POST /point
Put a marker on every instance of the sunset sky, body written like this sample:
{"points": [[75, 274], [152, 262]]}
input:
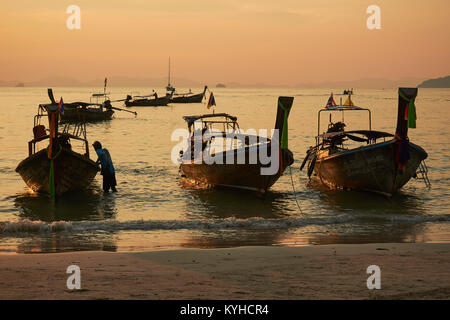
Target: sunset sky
{"points": [[284, 42]]}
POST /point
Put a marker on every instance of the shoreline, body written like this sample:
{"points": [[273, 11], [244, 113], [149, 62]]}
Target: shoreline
{"points": [[408, 271]]}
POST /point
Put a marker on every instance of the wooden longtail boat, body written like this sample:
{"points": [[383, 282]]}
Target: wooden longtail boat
{"points": [[247, 173], [57, 169], [86, 112], [147, 101], [188, 97], [376, 166]]}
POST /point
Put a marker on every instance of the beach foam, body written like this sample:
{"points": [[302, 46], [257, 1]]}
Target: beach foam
{"points": [[28, 226]]}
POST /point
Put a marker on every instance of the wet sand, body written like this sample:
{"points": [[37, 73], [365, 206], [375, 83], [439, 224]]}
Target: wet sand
{"points": [[408, 271]]}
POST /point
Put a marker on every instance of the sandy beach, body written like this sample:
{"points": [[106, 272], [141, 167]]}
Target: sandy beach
{"points": [[408, 271]]}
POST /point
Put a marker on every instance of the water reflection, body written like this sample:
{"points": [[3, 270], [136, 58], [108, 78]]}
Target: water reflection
{"points": [[67, 243], [360, 202], [221, 204], [391, 233], [91, 204], [234, 204]]}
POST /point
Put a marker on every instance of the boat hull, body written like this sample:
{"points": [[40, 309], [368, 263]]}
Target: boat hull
{"points": [[78, 114], [197, 98], [148, 102], [371, 168], [237, 176], [72, 171]]}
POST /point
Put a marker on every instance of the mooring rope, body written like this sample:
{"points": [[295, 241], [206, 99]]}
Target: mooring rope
{"points": [[293, 191]]}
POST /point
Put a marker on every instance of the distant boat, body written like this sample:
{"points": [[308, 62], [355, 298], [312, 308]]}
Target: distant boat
{"points": [[246, 176], [87, 111], [220, 85], [379, 164], [348, 92], [57, 169], [187, 97], [151, 100]]}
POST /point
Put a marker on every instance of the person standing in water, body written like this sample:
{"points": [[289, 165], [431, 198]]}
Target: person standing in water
{"points": [[107, 167]]}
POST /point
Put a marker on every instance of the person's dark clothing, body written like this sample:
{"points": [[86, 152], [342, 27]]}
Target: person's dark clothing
{"points": [[108, 172]]}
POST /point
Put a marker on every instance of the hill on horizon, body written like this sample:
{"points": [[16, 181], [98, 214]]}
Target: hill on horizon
{"points": [[443, 82]]}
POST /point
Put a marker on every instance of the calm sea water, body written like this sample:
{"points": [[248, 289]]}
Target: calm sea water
{"points": [[152, 211]]}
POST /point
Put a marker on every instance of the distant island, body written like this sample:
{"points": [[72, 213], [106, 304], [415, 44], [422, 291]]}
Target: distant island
{"points": [[443, 82], [220, 85], [20, 85]]}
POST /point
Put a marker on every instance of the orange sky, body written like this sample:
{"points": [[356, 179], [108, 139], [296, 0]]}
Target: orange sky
{"points": [[281, 42]]}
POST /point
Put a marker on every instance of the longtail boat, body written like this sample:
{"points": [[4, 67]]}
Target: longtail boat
{"points": [[239, 163], [87, 112], [188, 97], [58, 168], [151, 100], [380, 162]]}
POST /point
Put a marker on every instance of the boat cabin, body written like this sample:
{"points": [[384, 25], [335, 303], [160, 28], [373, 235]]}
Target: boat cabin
{"points": [[69, 134], [219, 132]]}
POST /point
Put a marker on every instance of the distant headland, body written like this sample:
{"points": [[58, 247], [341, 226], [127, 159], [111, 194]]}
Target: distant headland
{"points": [[443, 82]]}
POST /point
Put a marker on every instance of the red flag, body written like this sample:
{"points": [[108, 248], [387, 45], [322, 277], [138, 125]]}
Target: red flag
{"points": [[211, 101], [330, 102]]}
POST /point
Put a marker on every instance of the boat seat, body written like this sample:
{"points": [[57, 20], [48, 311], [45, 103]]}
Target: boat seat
{"points": [[39, 131]]}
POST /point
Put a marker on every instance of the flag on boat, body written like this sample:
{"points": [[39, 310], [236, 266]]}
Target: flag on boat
{"points": [[211, 101], [349, 101], [61, 108], [331, 102], [106, 80]]}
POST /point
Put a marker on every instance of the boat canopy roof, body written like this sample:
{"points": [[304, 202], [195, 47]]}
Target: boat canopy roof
{"points": [[191, 119], [368, 133]]}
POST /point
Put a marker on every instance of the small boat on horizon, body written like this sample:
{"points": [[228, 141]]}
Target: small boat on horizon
{"points": [[372, 165], [205, 164], [348, 91], [58, 168]]}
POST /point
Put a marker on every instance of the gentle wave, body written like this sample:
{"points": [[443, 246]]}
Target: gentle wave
{"points": [[28, 226]]}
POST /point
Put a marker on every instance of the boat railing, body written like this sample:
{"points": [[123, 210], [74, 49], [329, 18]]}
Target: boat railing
{"points": [[342, 109], [73, 131], [78, 133], [97, 96]]}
